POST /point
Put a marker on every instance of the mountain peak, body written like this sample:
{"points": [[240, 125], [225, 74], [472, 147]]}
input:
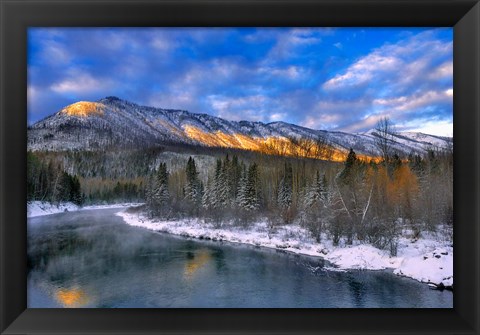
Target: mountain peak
{"points": [[91, 125], [83, 109], [111, 98]]}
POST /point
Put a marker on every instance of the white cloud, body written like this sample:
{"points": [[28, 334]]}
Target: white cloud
{"points": [[322, 121], [32, 93], [277, 117], [398, 65], [434, 127], [55, 53], [364, 70], [291, 72], [368, 122], [445, 70], [410, 103], [181, 100], [288, 42], [162, 44], [250, 108], [79, 83]]}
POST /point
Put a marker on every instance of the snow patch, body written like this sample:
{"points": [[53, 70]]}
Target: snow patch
{"points": [[41, 208], [426, 260]]}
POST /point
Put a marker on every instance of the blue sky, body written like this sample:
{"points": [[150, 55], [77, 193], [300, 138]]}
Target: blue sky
{"points": [[323, 78]]}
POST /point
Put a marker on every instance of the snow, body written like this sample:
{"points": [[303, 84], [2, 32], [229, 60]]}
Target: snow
{"points": [[152, 125], [433, 266], [427, 259], [363, 257], [40, 208]]}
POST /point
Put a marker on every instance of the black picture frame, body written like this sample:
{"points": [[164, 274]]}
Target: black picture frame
{"points": [[16, 16]]}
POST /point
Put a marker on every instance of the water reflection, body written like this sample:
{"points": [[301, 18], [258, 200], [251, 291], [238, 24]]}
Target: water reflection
{"points": [[93, 259], [72, 298], [196, 262]]}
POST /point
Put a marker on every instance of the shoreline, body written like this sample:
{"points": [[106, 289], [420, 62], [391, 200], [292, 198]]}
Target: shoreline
{"points": [[426, 260], [42, 208]]}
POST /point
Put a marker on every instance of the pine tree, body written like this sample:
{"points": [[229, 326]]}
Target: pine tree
{"points": [[249, 192], [159, 195], [284, 196], [193, 187], [242, 186], [220, 190], [208, 196], [351, 159], [234, 176]]}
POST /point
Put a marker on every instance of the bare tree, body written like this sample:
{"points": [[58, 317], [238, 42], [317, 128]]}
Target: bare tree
{"points": [[384, 132]]}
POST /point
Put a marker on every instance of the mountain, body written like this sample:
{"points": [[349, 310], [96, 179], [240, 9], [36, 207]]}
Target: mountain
{"points": [[115, 123]]}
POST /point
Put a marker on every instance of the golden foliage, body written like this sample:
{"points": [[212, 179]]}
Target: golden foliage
{"points": [[281, 146]]}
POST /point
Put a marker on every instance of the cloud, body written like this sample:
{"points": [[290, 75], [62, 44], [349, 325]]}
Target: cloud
{"points": [[277, 117], [316, 77], [445, 70], [413, 102], [335, 114], [367, 123], [398, 65], [442, 127], [79, 83], [363, 71], [240, 108], [290, 72], [410, 79], [289, 42]]}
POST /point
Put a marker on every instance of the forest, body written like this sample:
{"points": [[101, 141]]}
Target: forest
{"points": [[369, 200]]}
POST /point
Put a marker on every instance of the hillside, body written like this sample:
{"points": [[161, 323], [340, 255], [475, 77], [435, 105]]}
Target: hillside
{"points": [[115, 123]]}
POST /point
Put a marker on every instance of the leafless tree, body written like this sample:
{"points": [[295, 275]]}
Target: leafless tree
{"points": [[384, 133]]}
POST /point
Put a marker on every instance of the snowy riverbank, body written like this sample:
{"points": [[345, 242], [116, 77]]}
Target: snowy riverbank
{"points": [[40, 208], [427, 259]]}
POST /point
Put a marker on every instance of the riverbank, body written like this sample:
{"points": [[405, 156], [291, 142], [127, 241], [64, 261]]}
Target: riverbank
{"points": [[40, 208], [428, 259]]}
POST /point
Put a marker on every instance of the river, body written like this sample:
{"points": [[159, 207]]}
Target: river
{"points": [[92, 258]]}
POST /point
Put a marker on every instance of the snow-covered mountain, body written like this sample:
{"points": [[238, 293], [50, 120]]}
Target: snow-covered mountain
{"points": [[112, 122]]}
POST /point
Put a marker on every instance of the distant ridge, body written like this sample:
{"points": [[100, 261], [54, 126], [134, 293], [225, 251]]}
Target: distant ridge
{"points": [[113, 122]]}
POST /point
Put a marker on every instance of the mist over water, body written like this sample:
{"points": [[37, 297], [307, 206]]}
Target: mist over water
{"points": [[93, 259]]}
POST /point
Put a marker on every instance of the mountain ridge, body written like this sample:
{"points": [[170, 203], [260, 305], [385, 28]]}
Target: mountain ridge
{"points": [[113, 122]]}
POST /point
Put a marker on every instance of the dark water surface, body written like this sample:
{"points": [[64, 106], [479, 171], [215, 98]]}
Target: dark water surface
{"points": [[93, 259]]}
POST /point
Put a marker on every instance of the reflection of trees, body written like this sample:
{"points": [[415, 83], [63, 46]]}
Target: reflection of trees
{"points": [[357, 290]]}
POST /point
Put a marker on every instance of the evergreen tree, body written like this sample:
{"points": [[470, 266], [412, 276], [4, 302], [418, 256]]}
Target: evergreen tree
{"points": [[316, 206], [221, 190], [193, 187], [249, 193], [234, 176], [351, 160], [208, 196], [159, 195], [284, 196], [242, 186]]}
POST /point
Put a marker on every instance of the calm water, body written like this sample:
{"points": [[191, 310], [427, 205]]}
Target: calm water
{"points": [[93, 259]]}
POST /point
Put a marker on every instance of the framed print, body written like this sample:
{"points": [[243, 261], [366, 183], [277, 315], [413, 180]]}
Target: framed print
{"points": [[239, 167]]}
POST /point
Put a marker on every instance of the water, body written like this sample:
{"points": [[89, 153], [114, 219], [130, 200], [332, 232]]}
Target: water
{"points": [[93, 259]]}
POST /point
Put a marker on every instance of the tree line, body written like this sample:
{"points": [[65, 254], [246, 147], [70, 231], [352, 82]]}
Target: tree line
{"points": [[49, 182], [373, 202], [367, 201]]}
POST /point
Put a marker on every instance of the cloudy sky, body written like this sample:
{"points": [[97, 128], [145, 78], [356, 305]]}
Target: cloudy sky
{"points": [[323, 78]]}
